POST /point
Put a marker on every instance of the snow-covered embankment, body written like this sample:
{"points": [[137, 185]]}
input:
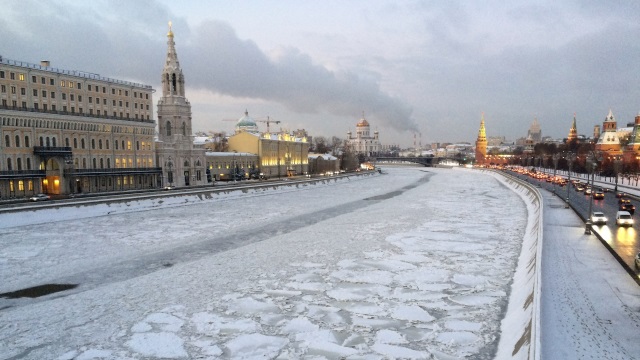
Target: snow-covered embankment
{"points": [[520, 328]]}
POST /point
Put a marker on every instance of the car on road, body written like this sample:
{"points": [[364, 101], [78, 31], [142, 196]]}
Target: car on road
{"points": [[598, 218], [39, 197], [638, 260], [624, 218], [169, 187], [598, 194], [620, 194], [625, 204]]}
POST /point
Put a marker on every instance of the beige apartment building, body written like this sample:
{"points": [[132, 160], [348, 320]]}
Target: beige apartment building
{"points": [[69, 132]]}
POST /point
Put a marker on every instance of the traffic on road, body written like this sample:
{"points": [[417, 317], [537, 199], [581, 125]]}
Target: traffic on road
{"points": [[612, 214]]}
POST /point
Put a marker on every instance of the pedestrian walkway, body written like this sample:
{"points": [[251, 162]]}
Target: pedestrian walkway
{"points": [[590, 306]]}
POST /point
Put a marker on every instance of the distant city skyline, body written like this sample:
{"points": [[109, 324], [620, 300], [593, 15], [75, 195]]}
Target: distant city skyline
{"points": [[412, 67]]}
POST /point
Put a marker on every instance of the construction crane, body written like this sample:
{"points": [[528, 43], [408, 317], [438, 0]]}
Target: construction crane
{"points": [[267, 121]]}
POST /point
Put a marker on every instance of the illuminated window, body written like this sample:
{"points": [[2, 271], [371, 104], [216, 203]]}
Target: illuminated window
{"points": [[62, 83], [20, 185], [11, 187], [128, 144], [30, 185], [21, 77]]}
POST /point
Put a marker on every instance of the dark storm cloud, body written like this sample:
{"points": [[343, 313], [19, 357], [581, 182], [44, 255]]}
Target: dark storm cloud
{"points": [[127, 39], [228, 65]]}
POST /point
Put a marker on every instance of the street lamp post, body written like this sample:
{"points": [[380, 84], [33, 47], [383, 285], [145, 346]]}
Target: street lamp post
{"points": [[592, 165], [570, 158], [555, 157], [616, 168]]}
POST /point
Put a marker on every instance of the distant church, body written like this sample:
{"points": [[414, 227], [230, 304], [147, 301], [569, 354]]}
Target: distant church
{"points": [[183, 164], [364, 142]]}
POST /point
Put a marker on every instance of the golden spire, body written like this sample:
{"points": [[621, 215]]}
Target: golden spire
{"points": [[170, 33]]}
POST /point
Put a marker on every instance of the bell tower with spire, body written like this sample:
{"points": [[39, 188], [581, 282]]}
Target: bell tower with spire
{"points": [[183, 163], [573, 132], [481, 143]]}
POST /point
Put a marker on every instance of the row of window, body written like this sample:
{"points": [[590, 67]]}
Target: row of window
{"points": [[52, 95], [67, 125], [98, 163], [45, 107], [71, 85], [47, 141]]}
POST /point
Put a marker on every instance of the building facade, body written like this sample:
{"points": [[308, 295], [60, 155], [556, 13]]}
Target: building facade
{"points": [[72, 132], [535, 131], [183, 162], [280, 154], [364, 142]]}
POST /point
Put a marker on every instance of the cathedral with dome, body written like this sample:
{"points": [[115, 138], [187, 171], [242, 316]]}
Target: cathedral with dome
{"points": [[364, 142]]}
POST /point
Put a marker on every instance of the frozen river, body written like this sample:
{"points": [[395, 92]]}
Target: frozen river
{"points": [[414, 263]]}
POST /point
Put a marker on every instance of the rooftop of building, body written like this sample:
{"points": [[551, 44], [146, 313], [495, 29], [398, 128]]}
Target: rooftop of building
{"points": [[75, 73]]}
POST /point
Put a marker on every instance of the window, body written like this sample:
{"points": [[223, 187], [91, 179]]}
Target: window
{"points": [[75, 143], [29, 168], [126, 93], [9, 167], [35, 92], [7, 141], [23, 91], [79, 87], [146, 96], [114, 103], [52, 82], [116, 144], [127, 104], [44, 93], [119, 91], [71, 85], [90, 111], [82, 143], [104, 101], [26, 141], [66, 142], [53, 95], [33, 79], [17, 141], [79, 99], [104, 90], [120, 103], [90, 100], [3, 88], [168, 128], [44, 107], [24, 104], [12, 76], [62, 83], [21, 77], [64, 96], [53, 107], [137, 145], [35, 105], [72, 97], [13, 89], [43, 80], [107, 144], [89, 87], [2, 75]]}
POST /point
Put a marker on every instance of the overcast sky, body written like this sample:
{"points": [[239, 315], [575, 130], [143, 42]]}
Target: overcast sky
{"points": [[426, 67]]}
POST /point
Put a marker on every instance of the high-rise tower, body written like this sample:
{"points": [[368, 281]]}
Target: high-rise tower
{"points": [[183, 164], [481, 143]]}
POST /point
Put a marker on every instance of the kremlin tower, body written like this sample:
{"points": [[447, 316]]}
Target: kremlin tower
{"points": [[481, 144], [573, 132]]}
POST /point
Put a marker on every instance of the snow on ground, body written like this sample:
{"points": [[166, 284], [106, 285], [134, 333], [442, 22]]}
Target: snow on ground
{"points": [[412, 264]]}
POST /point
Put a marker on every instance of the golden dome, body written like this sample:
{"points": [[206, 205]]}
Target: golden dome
{"points": [[362, 122]]}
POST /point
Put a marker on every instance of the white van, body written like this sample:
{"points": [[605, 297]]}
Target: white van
{"points": [[624, 218]]}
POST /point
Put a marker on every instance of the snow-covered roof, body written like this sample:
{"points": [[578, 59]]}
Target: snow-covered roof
{"points": [[324, 156], [227, 153]]}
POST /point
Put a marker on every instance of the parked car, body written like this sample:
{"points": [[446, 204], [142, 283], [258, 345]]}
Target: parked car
{"points": [[39, 197], [169, 187], [599, 218], [624, 218]]}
